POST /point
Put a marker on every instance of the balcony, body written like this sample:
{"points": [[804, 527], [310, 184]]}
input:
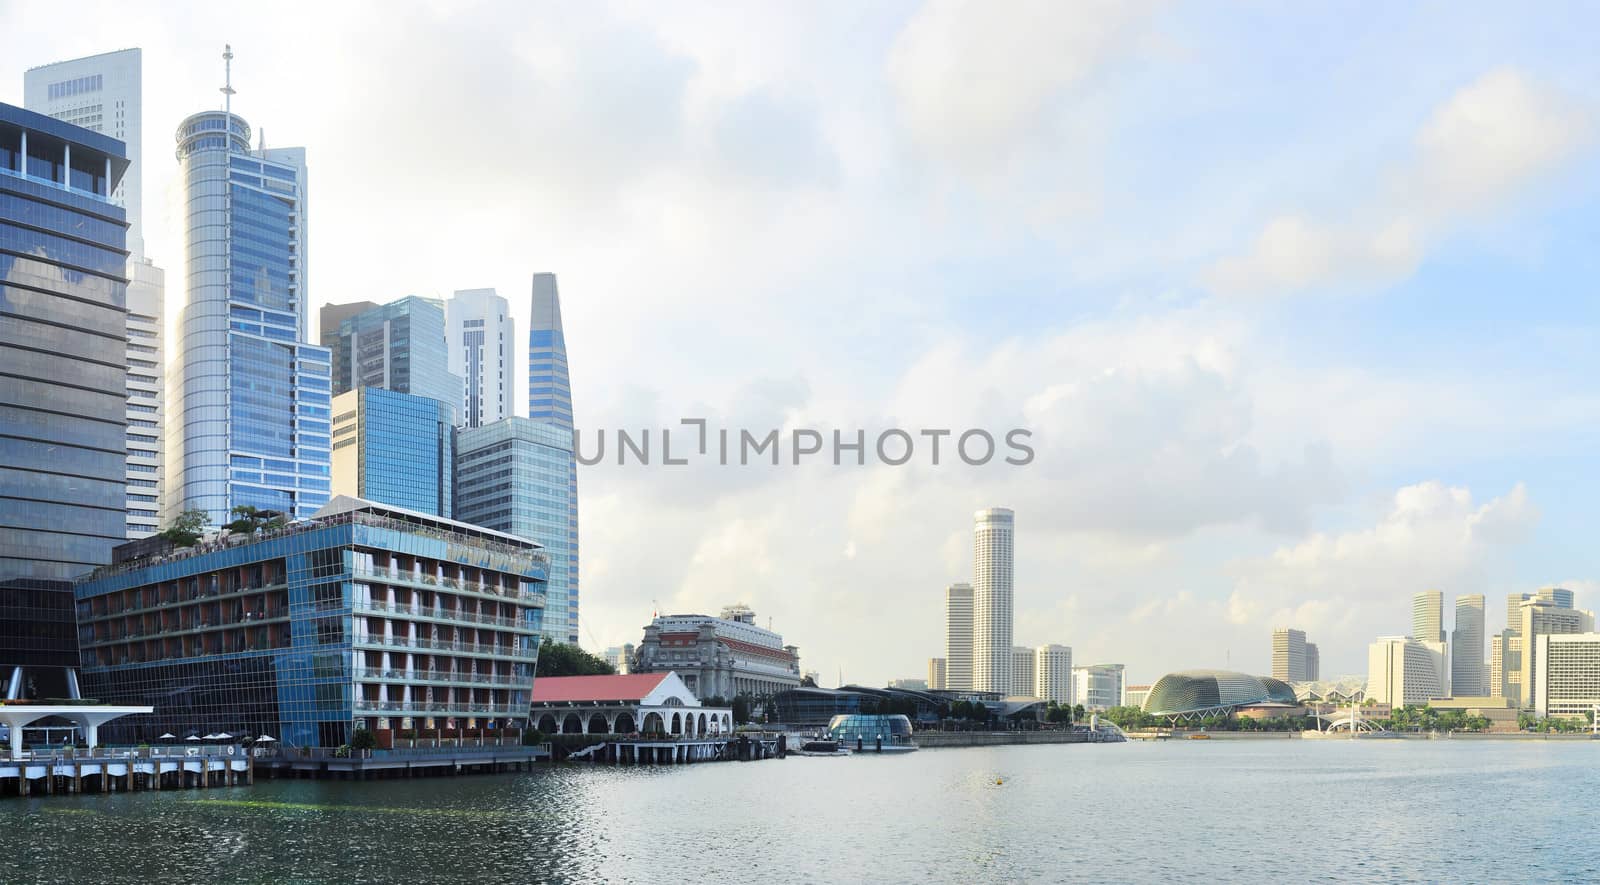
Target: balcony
{"points": [[442, 677], [437, 708], [514, 652], [443, 615], [410, 579]]}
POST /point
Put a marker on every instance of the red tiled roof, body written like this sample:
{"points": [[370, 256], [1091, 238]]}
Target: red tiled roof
{"points": [[631, 687]]}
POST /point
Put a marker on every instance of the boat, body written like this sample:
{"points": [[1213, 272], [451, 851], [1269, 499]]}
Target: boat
{"points": [[822, 747]]}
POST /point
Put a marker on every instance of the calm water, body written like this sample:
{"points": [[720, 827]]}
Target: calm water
{"points": [[1240, 810]]}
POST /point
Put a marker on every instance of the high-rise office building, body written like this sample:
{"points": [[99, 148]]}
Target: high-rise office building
{"points": [[1427, 616], [394, 448], [992, 562], [1052, 674], [936, 674], [103, 93], [1569, 674], [1539, 618], [1466, 648], [1313, 662], [958, 637], [1289, 655], [482, 342], [1556, 596], [63, 390], [398, 346], [248, 399], [331, 316], [550, 400], [1022, 672], [1495, 674], [511, 476], [1401, 671]]}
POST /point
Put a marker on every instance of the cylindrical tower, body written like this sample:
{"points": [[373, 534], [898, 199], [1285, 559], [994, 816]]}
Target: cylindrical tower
{"points": [[993, 530]]}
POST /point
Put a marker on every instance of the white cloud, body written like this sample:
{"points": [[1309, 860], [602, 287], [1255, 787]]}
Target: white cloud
{"points": [[1477, 151]]}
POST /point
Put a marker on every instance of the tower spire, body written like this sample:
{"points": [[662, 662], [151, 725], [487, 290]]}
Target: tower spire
{"points": [[227, 93]]}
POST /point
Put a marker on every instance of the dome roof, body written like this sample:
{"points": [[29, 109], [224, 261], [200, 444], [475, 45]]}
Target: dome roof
{"points": [[1194, 690]]}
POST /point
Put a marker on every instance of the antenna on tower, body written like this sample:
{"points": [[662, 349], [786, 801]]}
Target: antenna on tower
{"points": [[227, 93]]}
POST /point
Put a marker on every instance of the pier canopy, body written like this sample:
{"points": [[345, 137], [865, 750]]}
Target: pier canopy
{"points": [[89, 717], [637, 703], [1209, 692]]}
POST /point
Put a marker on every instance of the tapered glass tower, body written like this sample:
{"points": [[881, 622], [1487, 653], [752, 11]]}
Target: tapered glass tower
{"points": [[550, 402]]}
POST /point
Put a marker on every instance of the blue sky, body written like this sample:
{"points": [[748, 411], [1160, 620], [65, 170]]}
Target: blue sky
{"points": [[1299, 302]]}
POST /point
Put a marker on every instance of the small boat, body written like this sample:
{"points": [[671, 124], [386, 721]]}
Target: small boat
{"points": [[822, 747], [1200, 737]]}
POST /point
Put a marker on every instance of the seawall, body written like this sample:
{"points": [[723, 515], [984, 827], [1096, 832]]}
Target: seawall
{"points": [[930, 740]]}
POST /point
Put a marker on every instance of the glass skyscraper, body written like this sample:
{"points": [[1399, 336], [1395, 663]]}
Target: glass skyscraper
{"points": [[512, 476], [249, 398], [399, 346], [550, 401], [481, 335], [62, 388], [394, 448], [63, 296]]}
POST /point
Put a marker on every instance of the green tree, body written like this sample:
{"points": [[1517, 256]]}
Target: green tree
{"points": [[741, 710], [363, 740], [1077, 713], [248, 520], [186, 529], [563, 659]]}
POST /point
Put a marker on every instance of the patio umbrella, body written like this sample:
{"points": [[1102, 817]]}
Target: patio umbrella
{"points": [[223, 736], [169, 736], [266, 738], [192, 737]]}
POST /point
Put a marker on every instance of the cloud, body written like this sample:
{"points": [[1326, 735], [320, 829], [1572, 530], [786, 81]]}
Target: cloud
{"points": [[1476, 153]]}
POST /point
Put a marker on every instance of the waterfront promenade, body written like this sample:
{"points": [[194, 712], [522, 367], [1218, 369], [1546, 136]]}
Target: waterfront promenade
{"points": [[108, 769]]}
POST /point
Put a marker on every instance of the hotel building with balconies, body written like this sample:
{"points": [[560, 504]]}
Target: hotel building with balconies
{"points": [[364, 616]]}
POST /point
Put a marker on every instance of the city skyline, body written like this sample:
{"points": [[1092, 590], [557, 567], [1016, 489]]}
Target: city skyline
{"points": [[1308, 485]]}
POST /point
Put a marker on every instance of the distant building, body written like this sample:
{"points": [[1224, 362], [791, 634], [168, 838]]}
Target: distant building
{"points": [[1466, 648], [1556, 596], [394, 448], [958, 637], [1402, 671], [1496, 673], [1340, 690], [1098, 686], [513, 475], [1199, 694], [994, 532], [725, 656], [398, 346], [1135, 695], [550, 401], [936, 674], [1052, 674], [1289, 655], [1313, 662], [1427, 616], [1022, 667], [909, 684], [1568, 674], [1539, 618], [618, 656], [648, 703], [482, 338]]}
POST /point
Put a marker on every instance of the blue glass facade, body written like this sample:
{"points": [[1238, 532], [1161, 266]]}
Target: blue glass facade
{"points": [[394, 448], [366, 616], [513, 476], [399, 346], [550, 401], [250, 401], [62, 356]]}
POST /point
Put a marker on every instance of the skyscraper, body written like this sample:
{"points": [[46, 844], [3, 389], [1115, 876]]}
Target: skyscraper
{"points": [[1556, 596], [398, 346], [394, 448], [936, 674], [482, 341], [1466, 648], [506, 472], [958, 637], [992, 558], [1427, 616], [1496, 671], [1540, 618], [63, 398], [1022, 672], [1289, 655], [1313, 662], [1052, 675], [550, 400], [1401, 671], [103, 93]]}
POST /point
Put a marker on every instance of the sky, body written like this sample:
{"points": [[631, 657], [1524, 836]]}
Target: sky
{"points": [[1298, 302]]}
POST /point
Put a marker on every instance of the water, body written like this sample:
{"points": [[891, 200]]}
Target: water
{"points": [[1268, 811]]}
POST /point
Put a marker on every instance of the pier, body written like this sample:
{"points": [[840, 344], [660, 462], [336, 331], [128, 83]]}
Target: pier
{"points": [[106, 770], [345, 764], [680, 751]]}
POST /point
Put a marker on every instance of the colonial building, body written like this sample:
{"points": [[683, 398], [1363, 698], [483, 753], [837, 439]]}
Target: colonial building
{"points": [[723, 657], [648, 703]]}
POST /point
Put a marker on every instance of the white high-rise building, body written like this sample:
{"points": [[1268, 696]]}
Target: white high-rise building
{"points": [[958, 637], [1022, 672], [1539, 618], [103, 93], [936, 674], [1427, 616], [1466, 648], [1402, 671], [1098, 686], [992, 561], [1052, 673], [1289, 655], [1569, 674], [482, 337]]}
